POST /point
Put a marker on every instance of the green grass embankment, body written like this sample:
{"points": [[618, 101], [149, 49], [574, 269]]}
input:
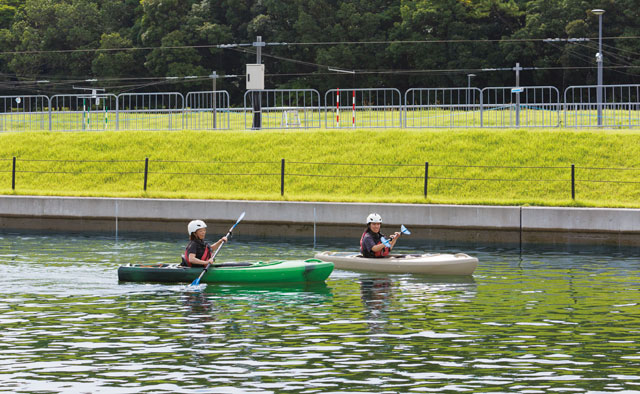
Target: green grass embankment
{"points": [[465, 166]]}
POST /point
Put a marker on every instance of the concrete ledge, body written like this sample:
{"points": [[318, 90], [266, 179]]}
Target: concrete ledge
{"points": [[581, 219], [260, 211], [445, 222]]}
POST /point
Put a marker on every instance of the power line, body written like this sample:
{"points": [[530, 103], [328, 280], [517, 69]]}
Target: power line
{"points": [[244, 48], [32, 85], [616, 60], [446, 41], [239, 45]]}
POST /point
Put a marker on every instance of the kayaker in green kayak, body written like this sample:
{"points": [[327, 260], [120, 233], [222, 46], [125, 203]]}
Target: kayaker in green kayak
{"points": [[198, 252], [373, 243]]}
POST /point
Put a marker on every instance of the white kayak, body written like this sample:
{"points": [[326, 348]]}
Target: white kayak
{"points": [[430, 264]]}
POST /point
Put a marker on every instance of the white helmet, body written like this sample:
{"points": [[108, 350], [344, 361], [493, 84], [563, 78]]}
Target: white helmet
{"points": [[374, 218], [195, 225]]}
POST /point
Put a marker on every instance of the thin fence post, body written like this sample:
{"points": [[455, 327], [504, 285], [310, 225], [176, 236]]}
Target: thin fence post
{"points": [[117, 113], [282, 178], [13, 175], [426, 177], [481, 110], [50, 117], [146, 172], [573, 182]]}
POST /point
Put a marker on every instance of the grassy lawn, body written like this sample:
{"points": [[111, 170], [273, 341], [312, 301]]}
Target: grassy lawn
{"points": [[479, 166]]}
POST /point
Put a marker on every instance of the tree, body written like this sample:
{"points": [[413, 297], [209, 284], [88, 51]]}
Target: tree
{"points": [[456, 28], [8, 9], [109, 63], [47, 30], [78, 38]]}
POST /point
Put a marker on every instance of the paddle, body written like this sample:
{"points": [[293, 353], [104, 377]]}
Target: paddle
{"points": [[196, 282], [403, 230]]}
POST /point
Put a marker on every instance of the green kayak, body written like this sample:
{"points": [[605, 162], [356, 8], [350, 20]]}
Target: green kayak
{"points": [[288, 271]]}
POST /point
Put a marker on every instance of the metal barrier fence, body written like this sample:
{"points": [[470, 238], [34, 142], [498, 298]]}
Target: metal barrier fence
{"points": [[620, 106], [370, 108], [282, 108], [84, 112], [207, 111], [151, 111], [499, 107], [529, 106], [24, 113], [443, 107]]}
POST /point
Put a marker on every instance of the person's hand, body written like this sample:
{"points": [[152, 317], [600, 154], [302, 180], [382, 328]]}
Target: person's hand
{"points": [[395, 235], [224, 239]]}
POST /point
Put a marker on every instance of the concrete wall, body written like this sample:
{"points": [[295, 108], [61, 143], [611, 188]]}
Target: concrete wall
{"points": [[442, 222]]}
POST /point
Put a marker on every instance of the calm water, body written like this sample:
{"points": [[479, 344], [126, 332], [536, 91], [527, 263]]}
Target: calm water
{"points": [[541, 321]]}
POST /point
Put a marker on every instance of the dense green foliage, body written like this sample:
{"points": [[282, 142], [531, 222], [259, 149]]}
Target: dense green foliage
{"points": [[523, 166], [39, 39]]}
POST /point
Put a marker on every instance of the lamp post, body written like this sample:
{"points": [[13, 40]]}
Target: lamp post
{"points": [[469, 76], [599, 12]]}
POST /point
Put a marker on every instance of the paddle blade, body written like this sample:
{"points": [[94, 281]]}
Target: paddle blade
{"points": [[195, 282], [404, 230], [385, 242], [237, 221]]}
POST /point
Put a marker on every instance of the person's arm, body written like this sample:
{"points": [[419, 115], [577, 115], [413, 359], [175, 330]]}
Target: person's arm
{"points": [[196, 261], [193, 260], [216, 245], [394, 239]]}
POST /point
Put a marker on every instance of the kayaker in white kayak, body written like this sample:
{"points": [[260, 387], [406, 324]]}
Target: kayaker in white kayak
{"points": [[198, 252], [371, 244]]}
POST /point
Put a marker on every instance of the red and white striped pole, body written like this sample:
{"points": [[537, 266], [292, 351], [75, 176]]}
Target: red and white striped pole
{"points": [[338, 107], [353, 117]]}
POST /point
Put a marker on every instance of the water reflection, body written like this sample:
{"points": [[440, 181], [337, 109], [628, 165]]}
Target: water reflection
{"points": [[547, 321], [288, 290], [376, 294]]}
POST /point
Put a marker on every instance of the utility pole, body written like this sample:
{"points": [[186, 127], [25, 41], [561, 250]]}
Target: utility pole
{"points": [[257, 96], [214, 77], [259, 44], [599, 12], [469, 76], [517, 91]]}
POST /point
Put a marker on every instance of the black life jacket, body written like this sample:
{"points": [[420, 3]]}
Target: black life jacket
{"points": [[206, 255], [378, 238]]}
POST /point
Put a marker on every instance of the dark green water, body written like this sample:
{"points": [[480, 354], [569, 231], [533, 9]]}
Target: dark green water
{"points": [[541, 321]]}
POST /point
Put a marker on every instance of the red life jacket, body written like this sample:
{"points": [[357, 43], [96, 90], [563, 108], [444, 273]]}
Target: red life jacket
{"points": [[382, 253], [205, 256]]}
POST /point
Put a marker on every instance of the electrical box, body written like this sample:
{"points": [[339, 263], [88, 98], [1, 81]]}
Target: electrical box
{"points": [[255, 76]]}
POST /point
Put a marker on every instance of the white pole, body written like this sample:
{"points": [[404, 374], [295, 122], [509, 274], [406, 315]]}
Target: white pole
{"points": [[353, 117], [337, 107], [599, 59]]}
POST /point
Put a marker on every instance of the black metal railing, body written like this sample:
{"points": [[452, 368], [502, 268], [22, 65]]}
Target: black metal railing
{"points": [[288, 170]]}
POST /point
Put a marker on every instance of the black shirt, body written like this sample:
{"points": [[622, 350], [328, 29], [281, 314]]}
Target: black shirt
{"points": [[369, 240], [198, 247]]}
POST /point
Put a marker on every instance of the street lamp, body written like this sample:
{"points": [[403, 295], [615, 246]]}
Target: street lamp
{"points": [[599, 12], [469, 76]]}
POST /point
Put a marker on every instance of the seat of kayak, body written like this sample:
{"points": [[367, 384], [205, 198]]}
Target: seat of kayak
{"points": [[233, 264], [174, 266]]}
